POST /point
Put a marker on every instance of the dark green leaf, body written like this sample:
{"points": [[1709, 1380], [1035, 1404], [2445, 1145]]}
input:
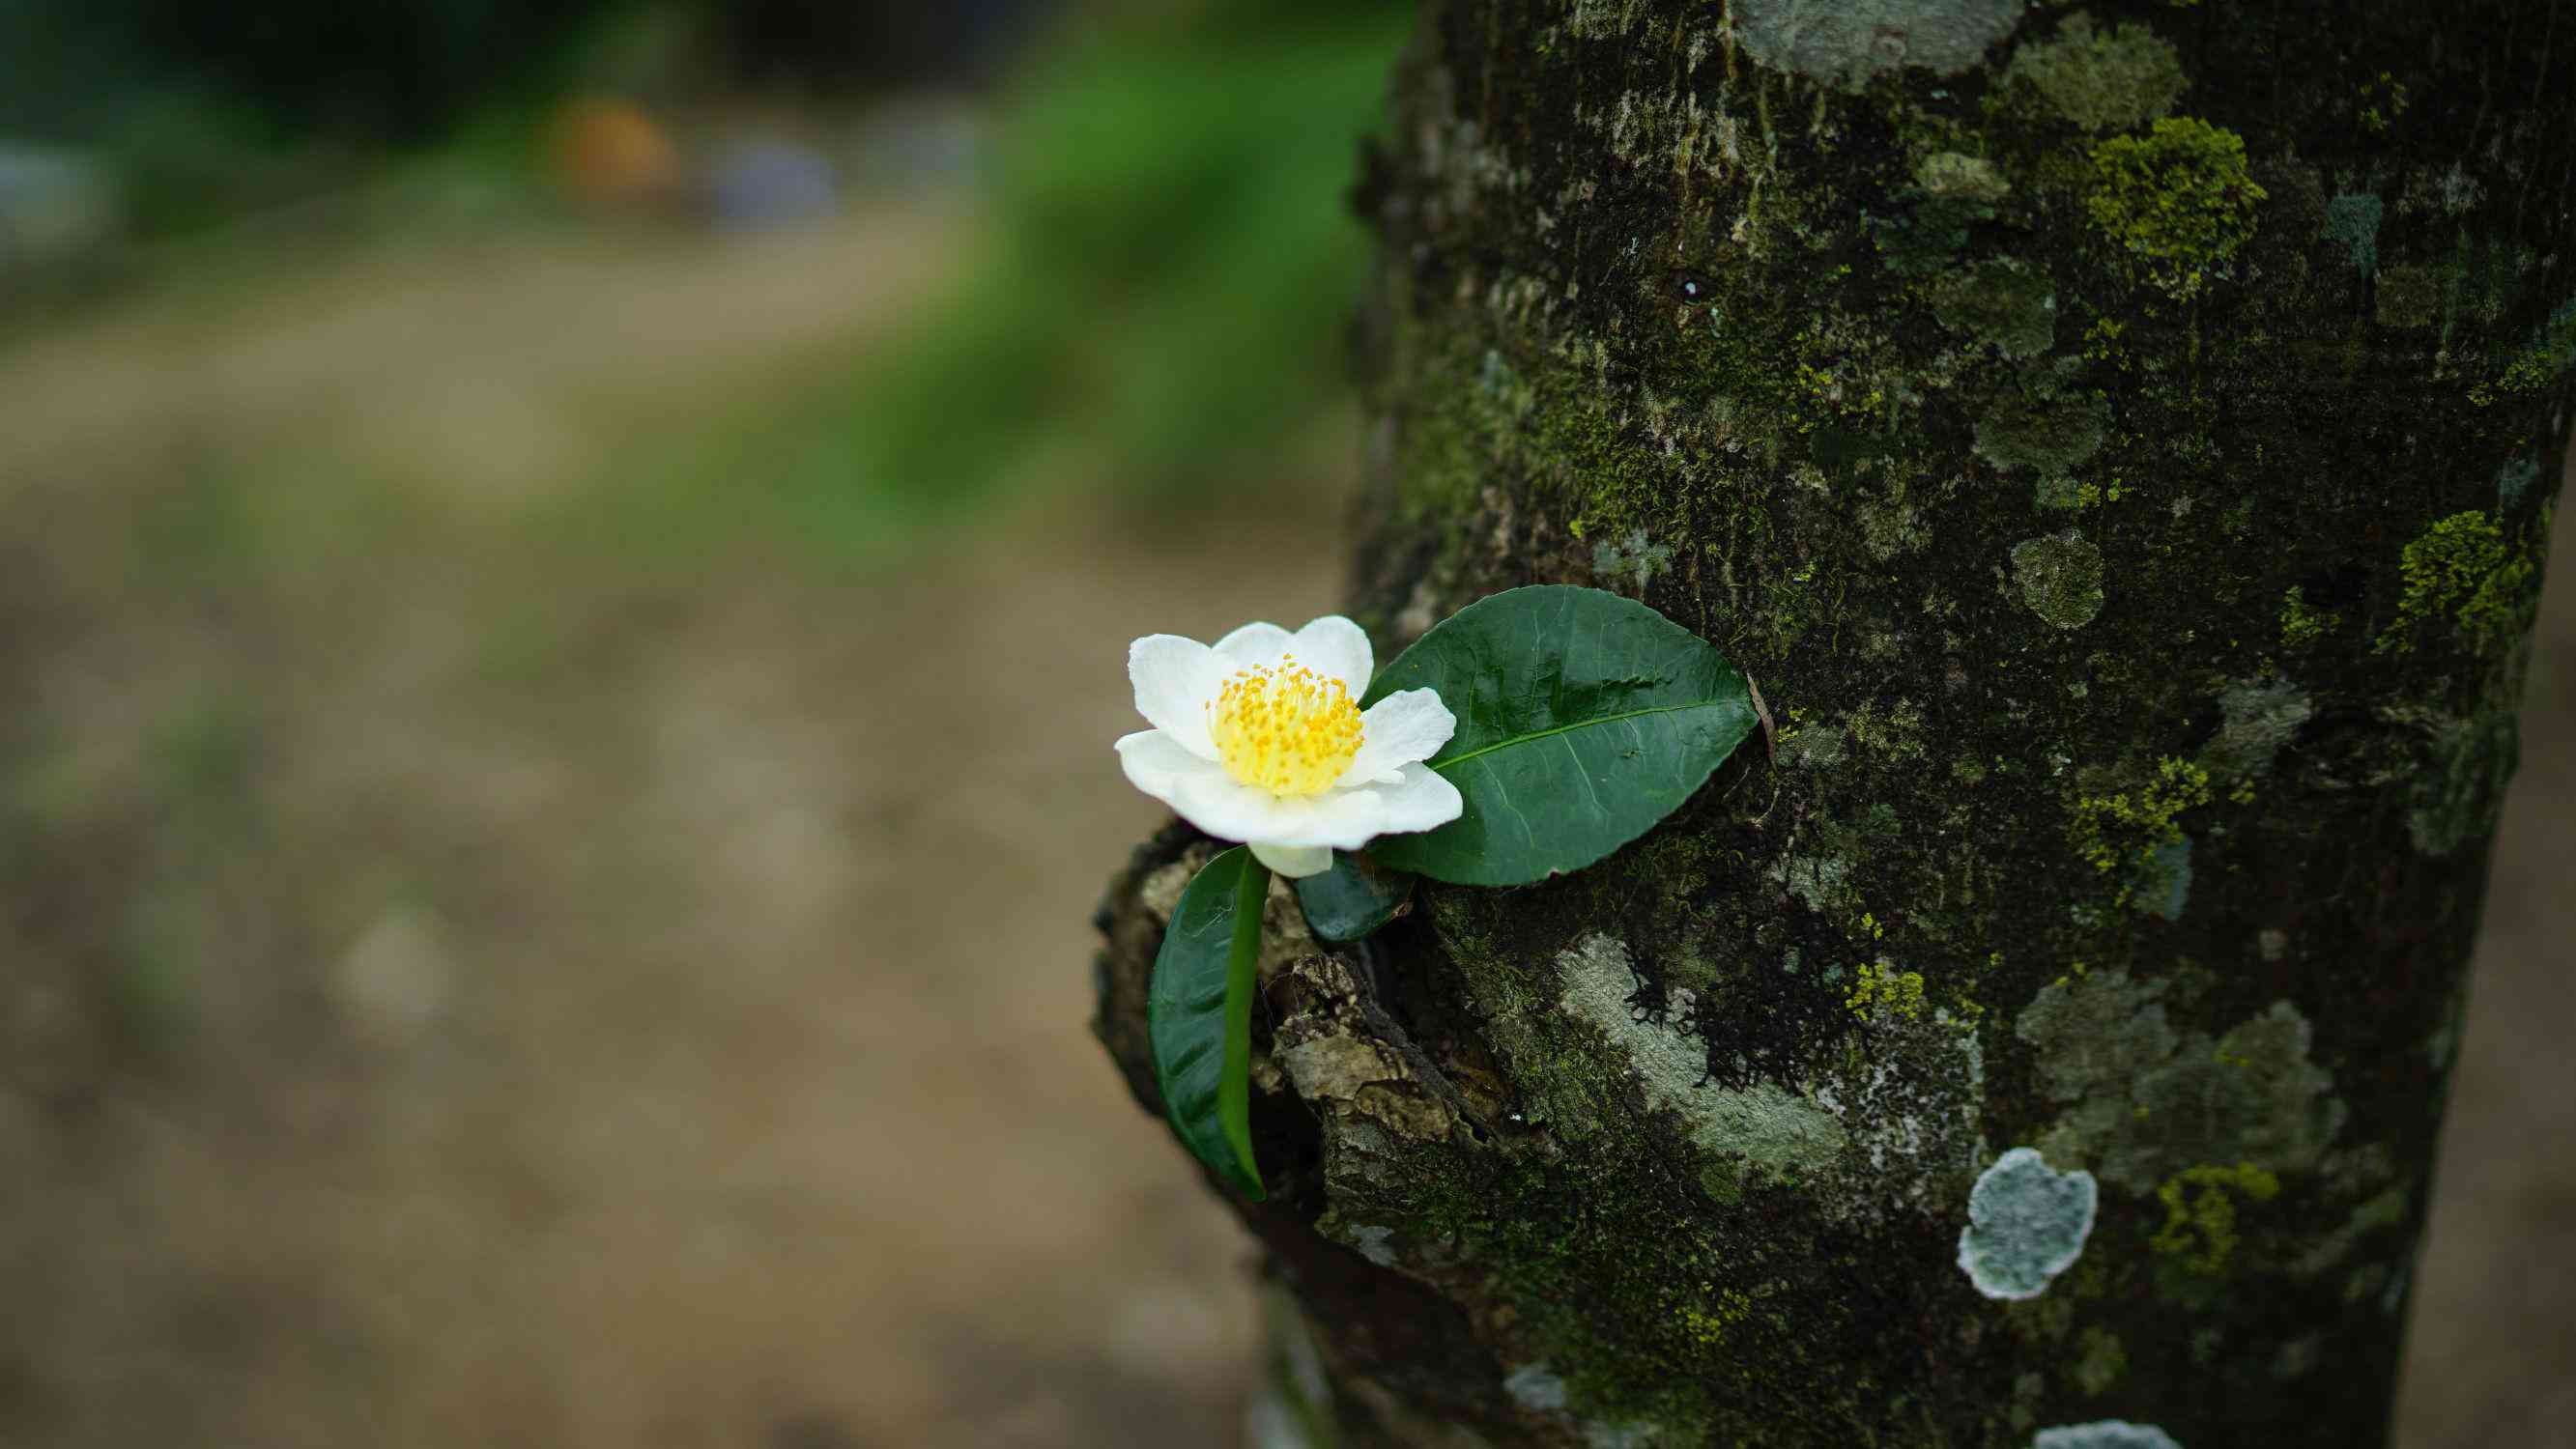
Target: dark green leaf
{"points": [[1198, 1014], [1583, 718], [1352, 899]]}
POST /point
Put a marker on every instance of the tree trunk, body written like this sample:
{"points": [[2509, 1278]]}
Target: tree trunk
{"points": [[2119, 443]]}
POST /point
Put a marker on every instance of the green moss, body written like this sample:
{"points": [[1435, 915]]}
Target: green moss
{"points": [[2007, 304], [1879, 987], [2042, 429], [2102, 80], [2302, 623], [2175, 205], [2103, 1363], [1955, 175], [2200, 1226], [2060, 578], [2410, 296], [2461, 569]]}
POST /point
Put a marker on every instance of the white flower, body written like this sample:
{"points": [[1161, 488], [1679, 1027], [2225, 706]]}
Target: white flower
{"points": [[1260, 739]]}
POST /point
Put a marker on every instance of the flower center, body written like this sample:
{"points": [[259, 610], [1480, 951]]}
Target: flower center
{"points": [[1287, 730]]}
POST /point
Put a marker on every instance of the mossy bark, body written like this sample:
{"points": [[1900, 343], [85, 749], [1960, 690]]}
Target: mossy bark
{"points": [[2120, 443]]}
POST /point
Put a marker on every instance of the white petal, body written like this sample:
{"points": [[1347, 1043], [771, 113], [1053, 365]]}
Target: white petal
{"points": [[1155, 763], [1175, 678], [1397, 731], [1336, 648], [1423, 799], [1254, 646], [1217, 803], [1294, 861], [1420, 799]]}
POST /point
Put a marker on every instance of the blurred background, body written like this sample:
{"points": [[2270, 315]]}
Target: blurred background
{"points": [[563, 574]]}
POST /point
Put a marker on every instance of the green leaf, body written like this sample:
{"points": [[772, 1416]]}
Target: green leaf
{"points": [[1198, 1015], [1354, 898], [1583, 719]]}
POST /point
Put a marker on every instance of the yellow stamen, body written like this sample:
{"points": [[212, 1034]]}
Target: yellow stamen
{"points": [[1287, 730]]}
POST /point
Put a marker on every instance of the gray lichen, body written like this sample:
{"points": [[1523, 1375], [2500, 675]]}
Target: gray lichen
{"points": [[2143, 1102], [2456, 800], [1774, 1132], [1958, 176], [1845, 42], [2160, 882], [2104, 1434], [2515, 479], [1536, 1387], [1634, 559], [2060, 578], [2258, 719], [2007, 303], [2027, 1223], [2102, 80], [2353, 220]]}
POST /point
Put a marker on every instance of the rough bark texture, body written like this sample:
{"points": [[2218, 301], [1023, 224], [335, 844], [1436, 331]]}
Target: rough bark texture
{"points": [[2119, 441]]}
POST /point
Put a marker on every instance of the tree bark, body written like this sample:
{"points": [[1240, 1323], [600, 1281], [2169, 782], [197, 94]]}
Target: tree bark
{"points": [[2120, 444]]}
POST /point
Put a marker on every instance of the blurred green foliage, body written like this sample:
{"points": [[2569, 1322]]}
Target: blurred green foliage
{"points": [[1173, 267]]}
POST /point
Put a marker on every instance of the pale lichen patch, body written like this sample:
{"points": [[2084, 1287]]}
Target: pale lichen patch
{"points": [[2143, 1103], [1845, 42], [1778, 1134], [2258, 719], [1536, 1387], [2104, 1434], [2352, 220], [2027, 1223]]}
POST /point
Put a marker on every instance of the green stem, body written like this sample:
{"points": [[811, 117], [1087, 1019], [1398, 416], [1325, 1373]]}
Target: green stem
{"points": [[1234, 1088]]}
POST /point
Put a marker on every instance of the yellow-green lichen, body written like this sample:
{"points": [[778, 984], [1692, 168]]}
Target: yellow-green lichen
{"points": [[2549, 355], [2303, 623], [2462, 569], [2102, 80], [1708, 1325], [1879, 987], [2199, 1230], [2176, 205], [2122, 825]]}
